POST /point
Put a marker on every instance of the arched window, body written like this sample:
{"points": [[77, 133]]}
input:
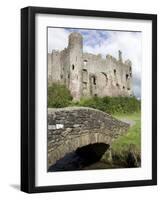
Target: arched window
{"points": [[114, 71], [73, 67]]}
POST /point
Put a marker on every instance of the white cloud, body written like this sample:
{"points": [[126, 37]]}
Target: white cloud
{"points": [[57, 39], [112, 41]]}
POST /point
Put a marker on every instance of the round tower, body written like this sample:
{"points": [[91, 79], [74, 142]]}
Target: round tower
{"points": [[75, 47], [75, 41]]}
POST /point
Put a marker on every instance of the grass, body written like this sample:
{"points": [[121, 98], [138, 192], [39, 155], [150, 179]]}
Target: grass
{"points": [[133, 136], [125, 150]]}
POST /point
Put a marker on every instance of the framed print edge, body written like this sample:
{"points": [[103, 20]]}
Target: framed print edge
{"points": [[154, 99], [24, 101], [28, 99]]}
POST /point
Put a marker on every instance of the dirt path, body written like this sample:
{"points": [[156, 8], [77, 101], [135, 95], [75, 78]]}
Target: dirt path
{"points": [[128, 121]]}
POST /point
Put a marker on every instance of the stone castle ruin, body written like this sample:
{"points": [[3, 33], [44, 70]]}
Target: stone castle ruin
{"points": [[89, 75]]}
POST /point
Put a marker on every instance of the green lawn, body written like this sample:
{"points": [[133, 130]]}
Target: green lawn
{"points": [[133, 137]]}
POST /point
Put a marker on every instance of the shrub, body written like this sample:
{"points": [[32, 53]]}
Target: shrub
{"points": [[112, 105], [58, 96]]}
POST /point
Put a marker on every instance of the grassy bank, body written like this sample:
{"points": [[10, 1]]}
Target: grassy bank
{"points": [[132, 137], [125, 150], [128, 146]]}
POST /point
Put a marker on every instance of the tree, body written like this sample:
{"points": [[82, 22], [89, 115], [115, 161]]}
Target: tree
{"points": [[58, 96]]}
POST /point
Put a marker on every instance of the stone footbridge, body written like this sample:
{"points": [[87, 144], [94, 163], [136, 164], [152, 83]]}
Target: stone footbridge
{"points": [[75, 127]]}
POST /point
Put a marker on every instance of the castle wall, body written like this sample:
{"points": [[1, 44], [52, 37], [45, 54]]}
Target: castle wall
{"points": [[54, 66], [65, 66], [86, 74], [110, 75], [49, 67]]}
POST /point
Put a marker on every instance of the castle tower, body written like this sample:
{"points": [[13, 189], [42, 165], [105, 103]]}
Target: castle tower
{"points": [[75, 47]]}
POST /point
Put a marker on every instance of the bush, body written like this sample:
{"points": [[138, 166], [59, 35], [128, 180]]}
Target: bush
{"points": [[58, 96], [112, 105]]}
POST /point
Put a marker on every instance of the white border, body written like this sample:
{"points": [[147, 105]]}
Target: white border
{"points": [[94, 176]]}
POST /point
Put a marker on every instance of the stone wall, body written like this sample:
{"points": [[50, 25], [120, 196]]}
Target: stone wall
{"points": [[110, 76], [74, 127]]}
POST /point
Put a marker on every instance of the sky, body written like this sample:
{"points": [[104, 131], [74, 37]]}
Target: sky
{"points": [[104, 42]]}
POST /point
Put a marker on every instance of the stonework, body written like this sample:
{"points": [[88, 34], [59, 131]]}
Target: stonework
{"points": [[86, 74], [74, 127]]}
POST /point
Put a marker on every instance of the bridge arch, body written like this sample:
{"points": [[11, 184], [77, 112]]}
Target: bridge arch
{"points": [[74, 127]]}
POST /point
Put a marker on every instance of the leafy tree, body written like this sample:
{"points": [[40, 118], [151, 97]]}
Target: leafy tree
{"points": [[58, 96]]}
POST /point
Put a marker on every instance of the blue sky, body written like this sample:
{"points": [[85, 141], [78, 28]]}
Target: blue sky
{"points": [[91, 37], [104, 42]]}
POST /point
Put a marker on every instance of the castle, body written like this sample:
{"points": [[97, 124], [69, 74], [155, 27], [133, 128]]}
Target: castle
{"points": [[88, 75]]}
